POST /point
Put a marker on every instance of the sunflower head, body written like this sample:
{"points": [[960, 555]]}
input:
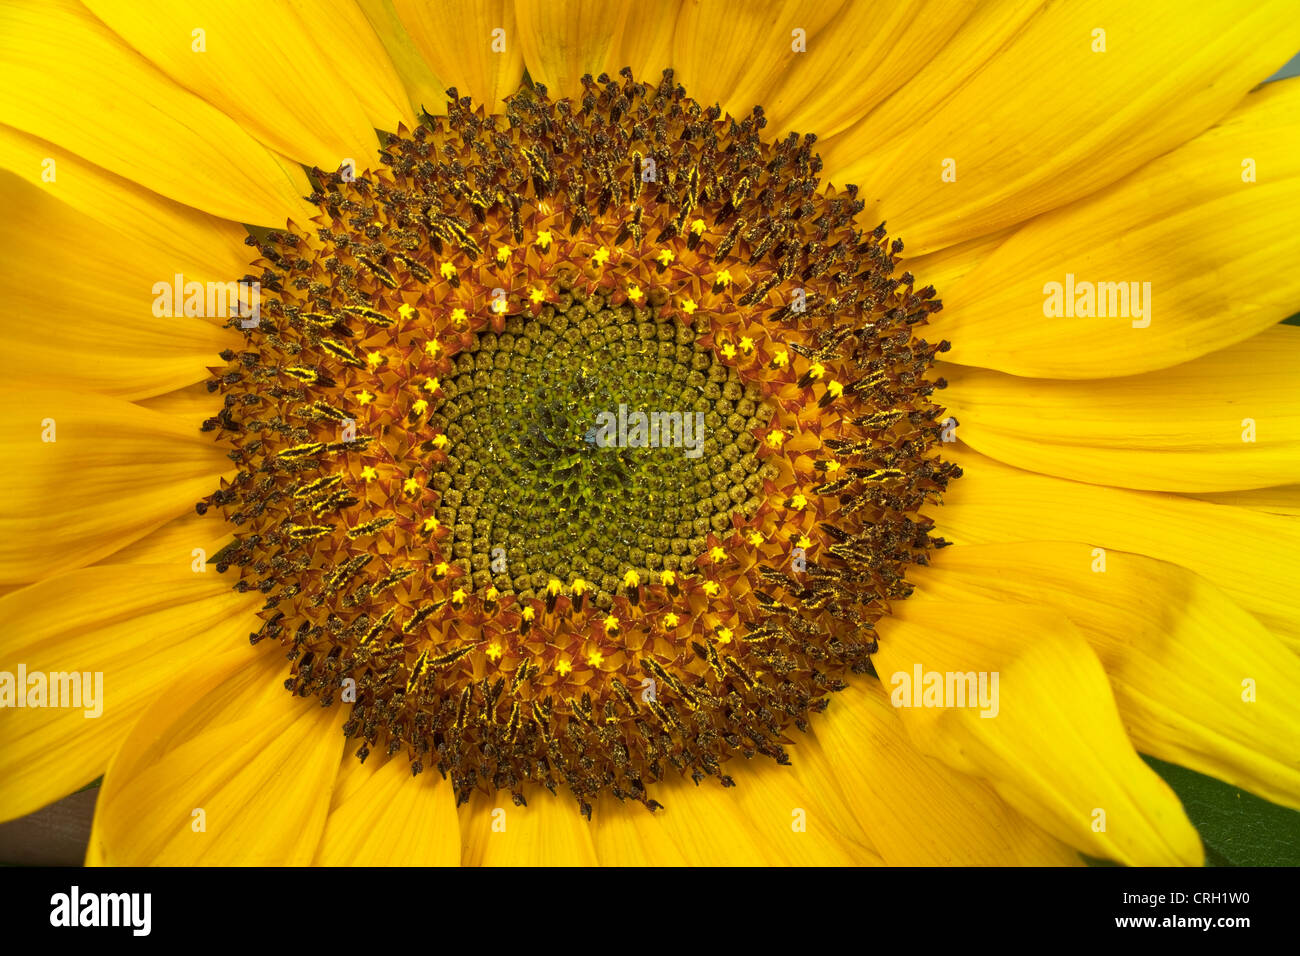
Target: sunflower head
{"points": [[580, 445]]}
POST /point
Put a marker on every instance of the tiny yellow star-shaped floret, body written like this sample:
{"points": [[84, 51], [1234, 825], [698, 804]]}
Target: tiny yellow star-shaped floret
{"points": [[631, 579], [419, 406], [441, 441], [635, 294], [440, 569], [611, 623], [368, 473], [430, 385], [364, 397], [458, 596], [459, 317], [816, 370], [835, 389], [712, 588], [411, 486], [756, 538], [666, 257], [562, 668], [432, 524], [670, 620], [374, 358], [494, 651], [724, 635], [448, 270], [579, 586], [798, 502], [503, 254], [775, 438], [433, 348], [746, 344], [832, 466], [595, 659], [600, 256], [803, 542], [529, 613], [723, 278], [689, 306], [717, 553], [491, 594], [537, 295], [668, 579], [405, 311], [553, 586], [544, 239], [729, 351], [697, 226], [781, 359]]}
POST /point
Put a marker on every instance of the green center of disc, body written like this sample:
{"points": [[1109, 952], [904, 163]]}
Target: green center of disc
{"points": [[590, 441]]}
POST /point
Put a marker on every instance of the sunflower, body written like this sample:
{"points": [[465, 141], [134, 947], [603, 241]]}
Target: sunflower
{"points": [[588, 472]]}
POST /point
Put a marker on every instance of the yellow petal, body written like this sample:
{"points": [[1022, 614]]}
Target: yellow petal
{"points": [[944, 268], [1211, 255], [774, 815], [1251, 555], [917, 810], [1227, 420], [989, 28], [548, 832], [70, 80], [624, 837], [94, 848], [797, 820], [299, 101], [736, 53], [113, 473], [381, 816], [359, 55], [1047, 120], [192, 404], [196, 244], [1198, 681], [176, 542], [1050, 742], [868, 52], [80, 306], [1284, 500], [457, 39], [706, 826], [562, 41], [812, 781], [226, 768], [136, 627], [421, 86]]}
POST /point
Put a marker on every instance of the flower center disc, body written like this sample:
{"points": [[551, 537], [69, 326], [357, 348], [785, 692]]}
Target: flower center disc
{"points": [[591, 441], [581, 445]]}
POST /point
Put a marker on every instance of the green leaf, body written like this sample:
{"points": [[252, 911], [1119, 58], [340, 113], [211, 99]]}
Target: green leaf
{"points": [[1237, 828]]}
